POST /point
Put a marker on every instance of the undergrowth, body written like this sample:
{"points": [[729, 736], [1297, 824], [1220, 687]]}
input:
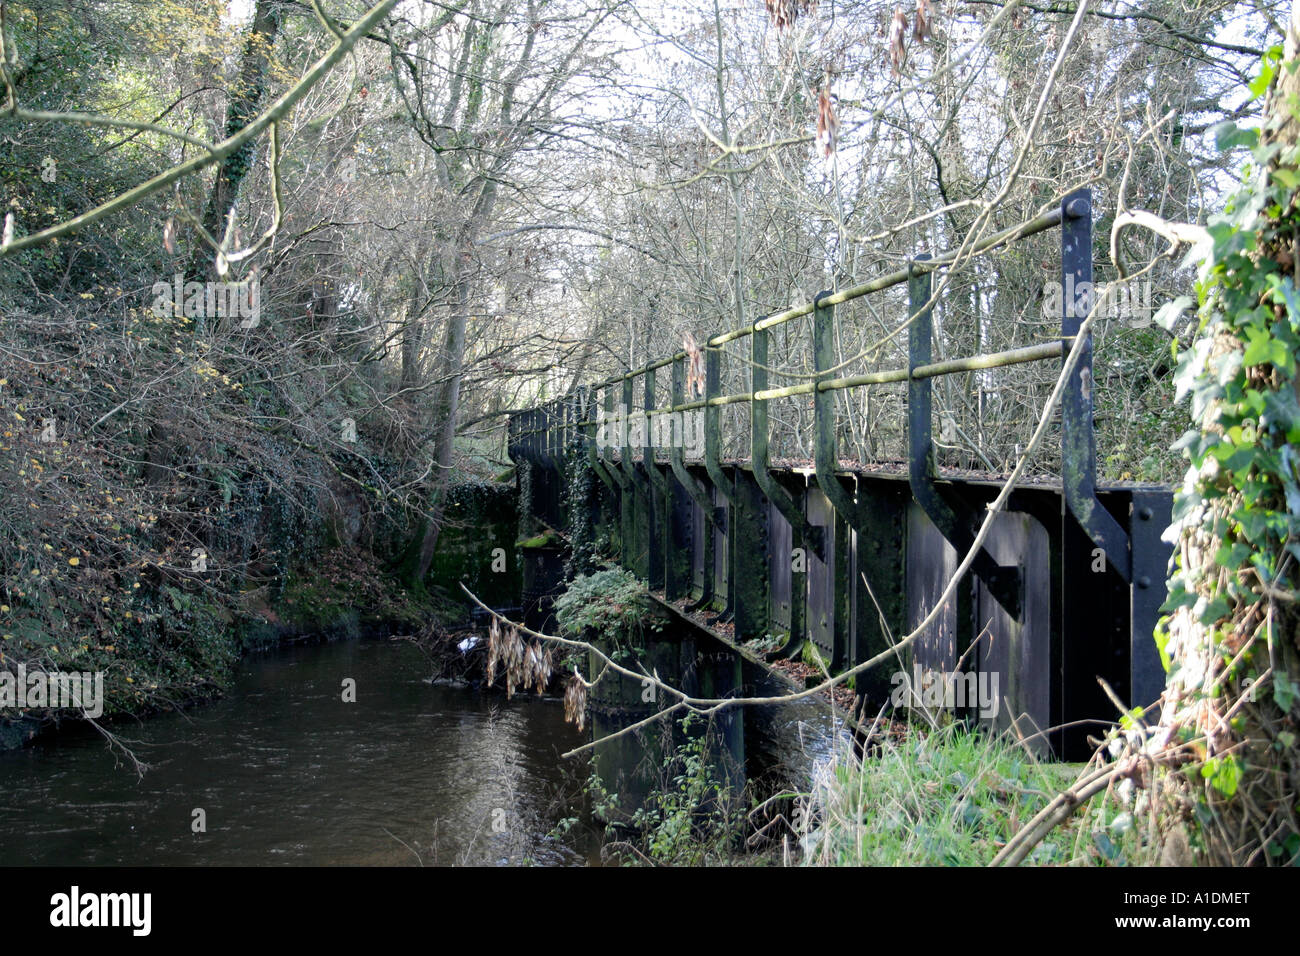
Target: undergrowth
{"points": [[952, 797]]}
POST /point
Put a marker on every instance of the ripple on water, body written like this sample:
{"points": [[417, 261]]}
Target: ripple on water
{"points": [[287, 773]]}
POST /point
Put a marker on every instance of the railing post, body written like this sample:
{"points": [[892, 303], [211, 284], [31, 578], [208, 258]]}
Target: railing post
{"points": [[759, 431], [698, 493], [655, 490], [591, 439], [944, 513], [826, 464], [615, 468], [633, 537], [803, 534], [1152, 512], [713, 466], [1078, 440]]}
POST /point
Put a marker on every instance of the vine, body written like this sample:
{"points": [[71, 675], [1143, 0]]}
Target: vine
{"points": [[582, 540], [1230, 639], [525, 499]]}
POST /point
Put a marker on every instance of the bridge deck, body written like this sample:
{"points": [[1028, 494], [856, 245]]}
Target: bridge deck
{"points": [[897, 470]]}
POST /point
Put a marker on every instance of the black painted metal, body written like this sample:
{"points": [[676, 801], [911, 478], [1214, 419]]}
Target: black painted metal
{"points": [[713, 433], [945, 512], [700, 509], [845, 514], [637, 554], [749, 575], [624, 484], [723, 494], [879, 575], [656, 494], [1078, 439], [1040, 611], [781, 575], [1150, 513], [821, 577]]}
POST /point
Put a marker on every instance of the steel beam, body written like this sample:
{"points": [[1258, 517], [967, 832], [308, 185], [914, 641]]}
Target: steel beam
{"points": [[810, 536], [656, 493], [1151, 512], [944, 512], [1078, 439]]}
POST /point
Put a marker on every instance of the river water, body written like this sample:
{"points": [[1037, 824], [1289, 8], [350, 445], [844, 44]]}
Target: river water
{"points": [[286, 772]]}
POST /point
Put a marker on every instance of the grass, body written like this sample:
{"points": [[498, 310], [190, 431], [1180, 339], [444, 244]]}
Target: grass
{"points": [[950, 797]]}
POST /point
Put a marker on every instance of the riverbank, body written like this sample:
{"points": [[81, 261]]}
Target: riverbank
{"points": [[164, 640]]}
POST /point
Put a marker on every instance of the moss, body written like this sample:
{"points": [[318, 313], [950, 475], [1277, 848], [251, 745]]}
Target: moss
{"points": [[345, 594], [477, 547], [812, 657], [547, 539]]}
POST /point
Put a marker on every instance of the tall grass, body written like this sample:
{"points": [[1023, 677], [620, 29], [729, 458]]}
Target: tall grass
{"points": [[948, 796]]}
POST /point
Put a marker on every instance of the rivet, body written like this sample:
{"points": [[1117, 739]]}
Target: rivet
{"points": [[1144, 582]]}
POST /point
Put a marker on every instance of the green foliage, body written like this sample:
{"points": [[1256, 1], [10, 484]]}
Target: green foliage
{"points": [[692, 817], [526, 519], [1240, 377], [949, 797], [582, 539], [89, 60], [1229, 637], [613, 603]]}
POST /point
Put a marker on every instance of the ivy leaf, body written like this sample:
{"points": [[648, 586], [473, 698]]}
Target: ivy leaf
{"points": [[1228, 135], [1284, 692], [1231, 557], [1224, 774], [1257, 351], [1215, 610], [1168, 314], [1287, 177], [1268, 69]]}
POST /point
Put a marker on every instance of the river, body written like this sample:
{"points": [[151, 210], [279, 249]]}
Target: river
{"points": [[286, 772]]}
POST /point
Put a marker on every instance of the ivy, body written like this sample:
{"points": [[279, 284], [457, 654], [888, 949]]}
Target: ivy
{"points": [[582, 538], [1237, 514]]}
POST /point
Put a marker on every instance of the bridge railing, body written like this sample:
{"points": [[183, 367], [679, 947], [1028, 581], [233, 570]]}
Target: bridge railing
{"points": [[545, 435], [543, 432]]}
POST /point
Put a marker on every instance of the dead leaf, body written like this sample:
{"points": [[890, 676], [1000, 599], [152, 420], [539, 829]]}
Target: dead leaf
{"points": [[828, 124], [922, 28], [897, 43], [694, 366]]}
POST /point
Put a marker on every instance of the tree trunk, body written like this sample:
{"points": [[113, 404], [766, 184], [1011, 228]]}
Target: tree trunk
{"points": [[246, 96]]}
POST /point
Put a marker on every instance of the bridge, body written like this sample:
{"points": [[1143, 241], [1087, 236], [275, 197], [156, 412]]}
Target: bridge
{"points": [[850, 555]]}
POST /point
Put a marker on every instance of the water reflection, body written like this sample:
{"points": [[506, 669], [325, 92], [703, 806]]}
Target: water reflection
{"points": [[287, 773]]}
